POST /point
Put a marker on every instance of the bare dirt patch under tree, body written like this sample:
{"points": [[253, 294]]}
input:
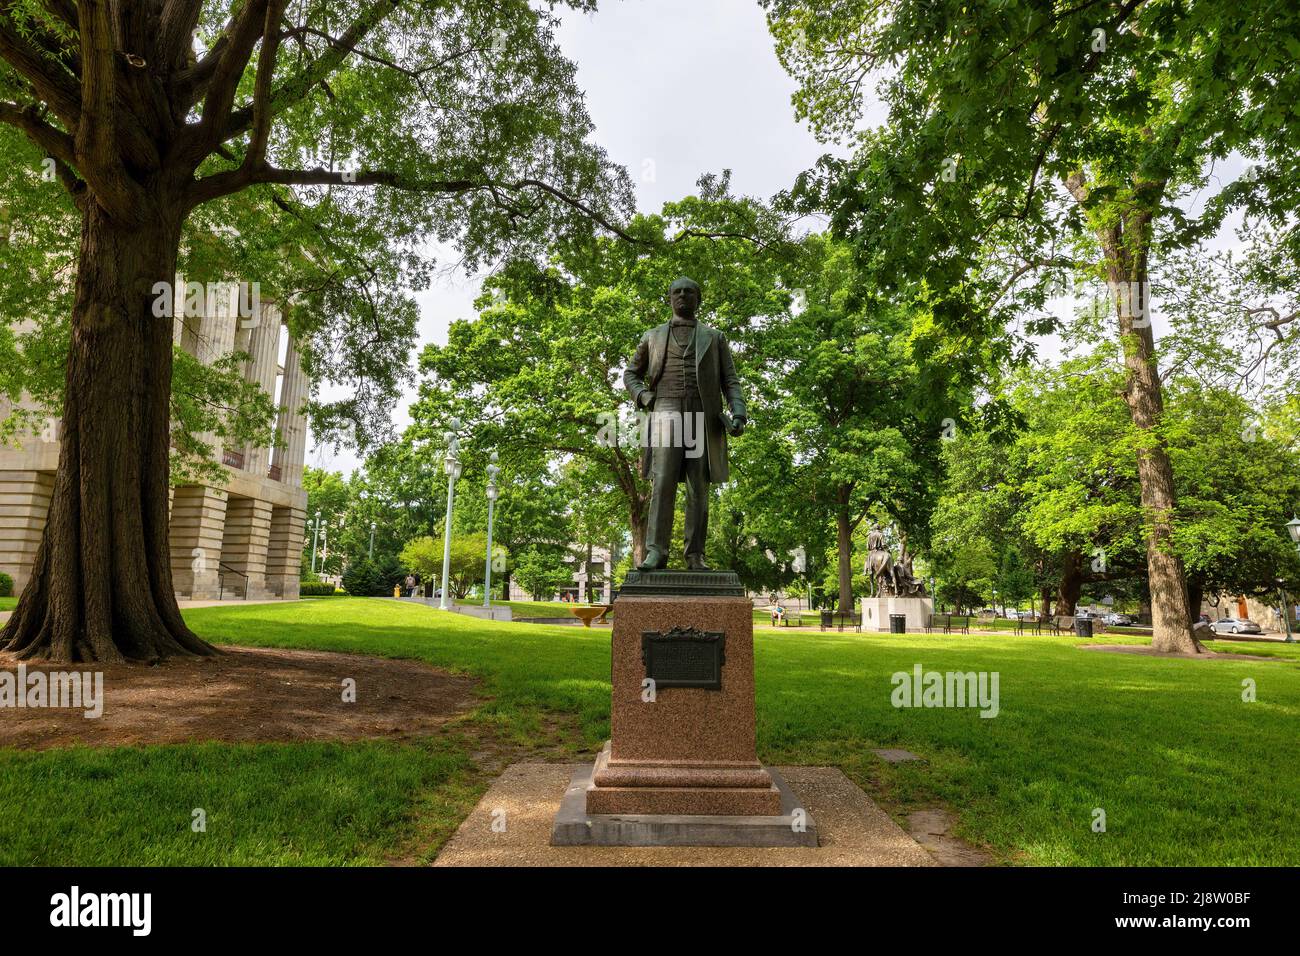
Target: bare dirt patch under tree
{"points": [[244, 695]]}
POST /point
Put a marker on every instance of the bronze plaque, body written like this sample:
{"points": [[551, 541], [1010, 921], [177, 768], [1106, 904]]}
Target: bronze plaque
{"points": [[684, 657]]}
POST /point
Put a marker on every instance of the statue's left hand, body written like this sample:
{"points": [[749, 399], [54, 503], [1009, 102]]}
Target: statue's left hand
{"points": [[738, 424]]}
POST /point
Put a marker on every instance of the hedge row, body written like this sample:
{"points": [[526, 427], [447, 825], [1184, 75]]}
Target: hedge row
{"points": [[316, 589]]}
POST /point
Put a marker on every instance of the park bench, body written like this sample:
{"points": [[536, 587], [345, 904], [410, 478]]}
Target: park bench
{"points": [[947, 622], [850, 618], [787, 619], [1063, 624], [1033, 624]]}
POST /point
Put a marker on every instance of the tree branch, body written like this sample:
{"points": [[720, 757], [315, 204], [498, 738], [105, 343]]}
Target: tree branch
{"points": [[297, 86], [55, 142], [256, 155], [97, 156], [231, 181], [58, 91], [243, 34], [95, 134], [176, 31]]}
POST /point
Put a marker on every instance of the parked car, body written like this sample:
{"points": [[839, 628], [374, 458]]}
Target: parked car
{"points": [[1236, 625], [1115, 619], [1086, 613]]}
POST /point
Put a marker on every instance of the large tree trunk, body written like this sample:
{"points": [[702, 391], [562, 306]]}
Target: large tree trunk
{"points": [[844, 545], [638, 522], [1171, 621], [1195, 595], [101, 588], [1123, 230], [1067, 595]]}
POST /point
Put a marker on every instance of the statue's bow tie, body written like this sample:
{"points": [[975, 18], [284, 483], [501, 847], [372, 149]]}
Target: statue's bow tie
{"points": [[678, 321]]}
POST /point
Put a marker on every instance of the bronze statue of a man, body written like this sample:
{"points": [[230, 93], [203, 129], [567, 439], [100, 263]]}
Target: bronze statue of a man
{"points": [[680, 374]]}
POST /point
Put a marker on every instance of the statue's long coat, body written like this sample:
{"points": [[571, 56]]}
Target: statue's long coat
{"points": [[715, 373]]}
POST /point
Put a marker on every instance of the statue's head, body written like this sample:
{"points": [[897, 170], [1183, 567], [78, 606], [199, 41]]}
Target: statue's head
{"points": [[685, 297]]}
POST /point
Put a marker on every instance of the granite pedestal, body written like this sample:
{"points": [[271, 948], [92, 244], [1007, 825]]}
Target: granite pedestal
{"points": [[681, 726], [876, 611]]}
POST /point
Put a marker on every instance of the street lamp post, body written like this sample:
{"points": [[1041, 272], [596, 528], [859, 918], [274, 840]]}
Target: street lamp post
{"points": [[1293, 529], [1285, 611], [450, 464], [371, 553], [314, 539], [492, 471]]}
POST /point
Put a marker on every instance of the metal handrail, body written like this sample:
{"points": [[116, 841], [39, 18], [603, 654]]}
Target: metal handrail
{"points": [[221, 580]]}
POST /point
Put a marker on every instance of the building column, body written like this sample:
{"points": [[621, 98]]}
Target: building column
{"points": [[197, 528], [261, 369], [215, 338], [291, 425], [245, 544], [178, 310], [24, 504], [284, 552]]}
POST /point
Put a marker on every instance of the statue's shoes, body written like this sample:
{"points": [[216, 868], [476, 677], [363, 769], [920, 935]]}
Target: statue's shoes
{"points": [[696, 563], [654, 561]]}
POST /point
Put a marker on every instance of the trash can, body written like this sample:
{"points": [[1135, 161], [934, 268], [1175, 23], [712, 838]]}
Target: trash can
{"points": [[826, 618], [898, 624], [1083, 626]]}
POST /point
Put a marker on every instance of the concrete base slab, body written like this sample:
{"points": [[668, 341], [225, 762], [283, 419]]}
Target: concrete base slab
{"points": [[574, 826], [512, 824]]}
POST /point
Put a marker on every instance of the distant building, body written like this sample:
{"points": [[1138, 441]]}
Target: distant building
{"points": [[243, 537], [1263, 610], [593, 576]]}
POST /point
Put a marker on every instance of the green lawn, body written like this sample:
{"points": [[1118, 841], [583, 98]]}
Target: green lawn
{"points": [[8, 603], [1186, 772], [537, 608]]}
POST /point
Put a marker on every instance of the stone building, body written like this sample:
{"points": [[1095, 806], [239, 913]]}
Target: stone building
{"points": [[593, 575], [242, 538]]}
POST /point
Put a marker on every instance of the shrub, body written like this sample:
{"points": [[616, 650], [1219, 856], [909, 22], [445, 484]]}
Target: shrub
{"points": [[6, 586], [316, 589], [366, 578]]}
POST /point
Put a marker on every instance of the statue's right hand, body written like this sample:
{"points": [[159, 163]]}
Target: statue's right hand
{"points": [[647, 398]]}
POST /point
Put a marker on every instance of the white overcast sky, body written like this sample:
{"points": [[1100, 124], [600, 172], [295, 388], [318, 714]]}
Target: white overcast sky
{"points": [[675, 88]]}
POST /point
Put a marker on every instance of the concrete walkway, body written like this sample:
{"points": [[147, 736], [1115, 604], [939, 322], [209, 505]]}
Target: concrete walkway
{"points": [[229, 602], [186, 605], [511, 826]]}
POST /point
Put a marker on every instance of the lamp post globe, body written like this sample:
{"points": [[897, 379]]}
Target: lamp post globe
{"points": [[1293, 529]]}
